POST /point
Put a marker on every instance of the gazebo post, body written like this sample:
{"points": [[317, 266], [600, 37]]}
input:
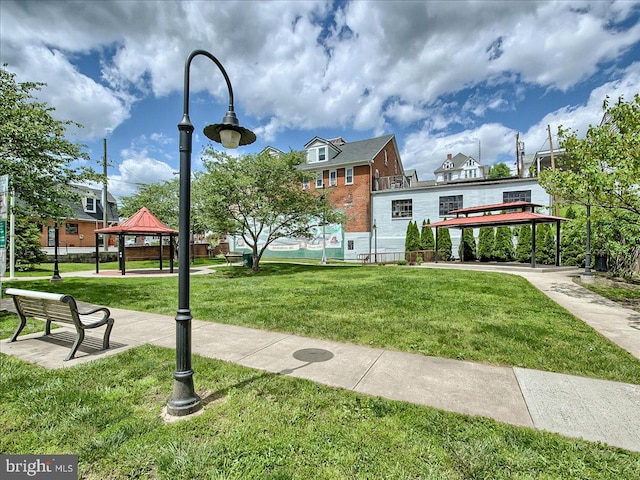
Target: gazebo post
{"points": [[462, 243], [435, 255], [533, 244], [97, 255], [121, 250], [557, 243], [171, 252], [160, 252]]}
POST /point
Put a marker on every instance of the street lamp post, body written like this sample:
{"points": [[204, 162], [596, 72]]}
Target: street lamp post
{"points": [[184, 399], [324, 250], [56, 240], [375, 242]]}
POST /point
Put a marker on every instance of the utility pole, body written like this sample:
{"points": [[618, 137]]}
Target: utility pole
{"points": [[105, 204], [518, 154], [553, 167]]}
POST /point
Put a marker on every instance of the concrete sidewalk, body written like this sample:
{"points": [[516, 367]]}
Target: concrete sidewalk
{"points": [[596, 410]]}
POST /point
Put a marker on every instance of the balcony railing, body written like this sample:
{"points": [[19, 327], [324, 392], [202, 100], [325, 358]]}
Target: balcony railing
{"points": [[393, 182]]}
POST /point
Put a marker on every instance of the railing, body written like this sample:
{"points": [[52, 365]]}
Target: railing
{"points": [[394, 257], [393, 182]]}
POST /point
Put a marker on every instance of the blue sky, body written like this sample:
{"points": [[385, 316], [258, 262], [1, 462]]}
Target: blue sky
{"points": [[444, 77]]}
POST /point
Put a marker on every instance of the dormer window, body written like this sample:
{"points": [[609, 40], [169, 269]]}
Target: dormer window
{"points": [[89, 205], [448, 165], [318, 154]]}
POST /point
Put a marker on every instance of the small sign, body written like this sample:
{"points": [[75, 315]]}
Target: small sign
{"points": [[49, 467], [3, 234]]}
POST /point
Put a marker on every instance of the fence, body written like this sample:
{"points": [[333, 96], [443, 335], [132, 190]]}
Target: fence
{"points": [[393, 257]]}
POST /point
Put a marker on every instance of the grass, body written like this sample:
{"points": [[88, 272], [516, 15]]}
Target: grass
{"points": [[477, 316], [627, 294], [46, 269], [259, 425]]}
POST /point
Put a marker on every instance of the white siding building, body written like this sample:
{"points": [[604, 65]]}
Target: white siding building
{"points": [[393, 209]]}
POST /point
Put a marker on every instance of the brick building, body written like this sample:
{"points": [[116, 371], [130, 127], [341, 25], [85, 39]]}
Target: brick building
{"points": [[87, 215], [349, 173]]}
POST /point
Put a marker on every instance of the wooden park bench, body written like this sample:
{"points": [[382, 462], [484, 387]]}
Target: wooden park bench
{"points": [[233, 257], [55, 307]]}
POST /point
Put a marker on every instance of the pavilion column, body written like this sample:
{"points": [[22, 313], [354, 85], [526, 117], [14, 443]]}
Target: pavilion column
{"points": [[557, 243], [533, 244]]}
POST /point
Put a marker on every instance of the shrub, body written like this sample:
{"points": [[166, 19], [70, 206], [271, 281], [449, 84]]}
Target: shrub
{"points": [[402, 261]]}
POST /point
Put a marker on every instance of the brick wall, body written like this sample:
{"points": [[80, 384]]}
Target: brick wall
{"points": [[74, 234]]}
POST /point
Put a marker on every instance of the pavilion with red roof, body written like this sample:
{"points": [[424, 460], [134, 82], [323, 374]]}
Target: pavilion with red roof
{"points": [[143, 222], [516, 213]]}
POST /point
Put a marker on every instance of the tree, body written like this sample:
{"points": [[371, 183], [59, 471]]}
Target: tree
{"points": [[499, 170], [412, 238], [28, 250], [467, 247], [604, 167], [162, 199], [427, 241], [35, 153], [444, 246], [523, 247], [486, 240], [603, 170], [259, 197], [503, 246], [545, 244]]}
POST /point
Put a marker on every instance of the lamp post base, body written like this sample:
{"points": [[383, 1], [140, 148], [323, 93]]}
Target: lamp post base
{"points": [[184, 400]]}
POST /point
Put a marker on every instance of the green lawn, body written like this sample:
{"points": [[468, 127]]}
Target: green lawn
{"points": [[478, 316], [260, 425]]}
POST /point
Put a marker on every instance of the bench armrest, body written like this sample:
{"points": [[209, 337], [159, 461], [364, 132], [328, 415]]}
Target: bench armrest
{"points": [[96, 310]]}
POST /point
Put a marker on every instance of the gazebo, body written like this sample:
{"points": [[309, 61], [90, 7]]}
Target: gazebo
{"points": [[143, 222], [517, 213]]}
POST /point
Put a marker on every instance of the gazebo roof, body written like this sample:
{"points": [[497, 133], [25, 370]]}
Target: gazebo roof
{"points": [[143, 222], [516, 218]]}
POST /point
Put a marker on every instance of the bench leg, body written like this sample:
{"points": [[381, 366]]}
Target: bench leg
{"points": [[107, 334], [76, 344], [23, 322]]}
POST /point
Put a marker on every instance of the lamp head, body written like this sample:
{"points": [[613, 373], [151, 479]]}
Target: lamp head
{"points": [[229, 133]]}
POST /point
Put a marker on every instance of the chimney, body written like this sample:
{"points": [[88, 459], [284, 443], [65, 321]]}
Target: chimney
{"points": [[448, 156]]}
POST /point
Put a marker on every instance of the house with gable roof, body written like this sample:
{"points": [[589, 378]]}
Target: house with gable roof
{"points": [[86, 215], [349, 172], [460, 167]]}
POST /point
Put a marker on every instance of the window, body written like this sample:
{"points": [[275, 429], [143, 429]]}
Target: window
{"points": [[90, 205], [333, 178], [449, 203], [386, 162], [322, 154], [305, 185], [447, 177], [402, 208], [71, 228], [517, 196], [348, 176], [349, 244], [319, 180]]}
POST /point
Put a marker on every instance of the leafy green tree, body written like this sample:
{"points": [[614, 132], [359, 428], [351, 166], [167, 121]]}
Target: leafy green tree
{"points": [[545, 244], [523, 247], [28, 250], [259, 197], [35, 153], [486, 241], [162, 199], [499, 170], [503, 246], [602, 169], [39, 161], [444, 245], [427, 240], [467, 245], [573, 239]]}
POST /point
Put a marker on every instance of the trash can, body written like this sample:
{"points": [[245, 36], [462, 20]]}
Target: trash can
{"points": [[247, 260], [602, 261]]}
